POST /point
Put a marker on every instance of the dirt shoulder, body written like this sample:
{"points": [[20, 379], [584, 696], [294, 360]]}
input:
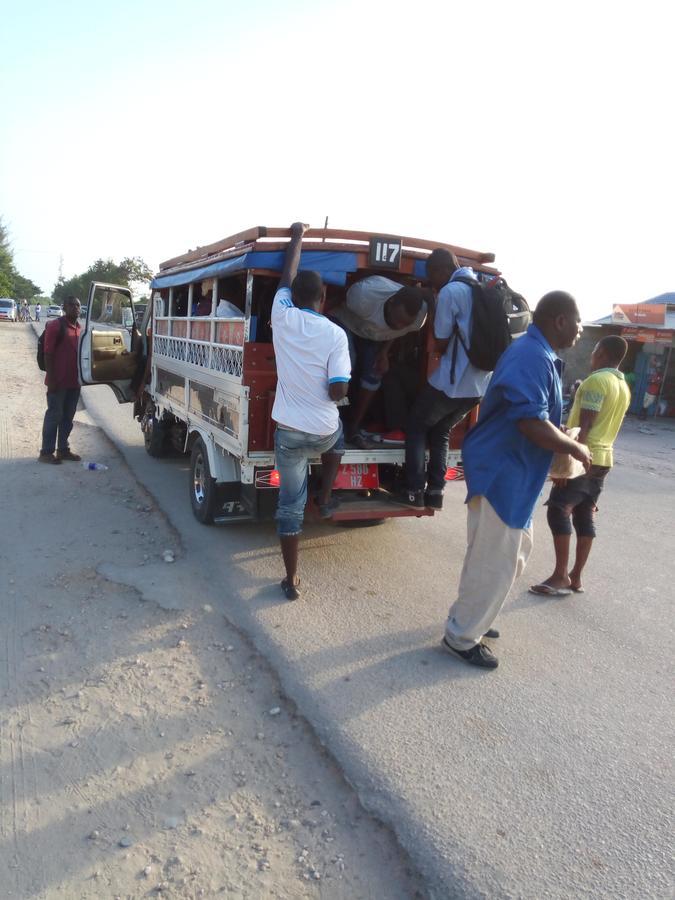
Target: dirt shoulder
{"points": [[145, 750]]}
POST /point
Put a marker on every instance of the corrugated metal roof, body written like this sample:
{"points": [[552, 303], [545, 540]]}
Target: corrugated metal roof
{"points": [[667, 299], [668, 325]]}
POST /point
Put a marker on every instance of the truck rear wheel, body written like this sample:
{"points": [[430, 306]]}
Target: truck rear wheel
{"points": [[202, 486], [154, 438]]}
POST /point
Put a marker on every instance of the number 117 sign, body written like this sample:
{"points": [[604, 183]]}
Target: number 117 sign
{"points": [[385, 252]]}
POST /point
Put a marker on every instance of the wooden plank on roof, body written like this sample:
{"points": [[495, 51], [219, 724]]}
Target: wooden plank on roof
{"points": [[208, 250], [198, 263], [334, 237]]}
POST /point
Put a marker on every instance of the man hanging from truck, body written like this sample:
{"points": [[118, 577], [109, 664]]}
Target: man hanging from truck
{"points": [[376, 312], [452, 390], [313, 372]]}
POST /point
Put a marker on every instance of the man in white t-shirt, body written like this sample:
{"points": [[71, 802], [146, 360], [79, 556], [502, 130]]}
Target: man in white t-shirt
{"points": [[375, 313], [313, 372]]}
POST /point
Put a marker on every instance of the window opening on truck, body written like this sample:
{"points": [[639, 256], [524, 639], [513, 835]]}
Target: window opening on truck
{"points": [[179, 302], [231, 290], [202, 298]]}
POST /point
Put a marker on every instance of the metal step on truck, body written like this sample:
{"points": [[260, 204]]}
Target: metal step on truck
{"points": [[201, 373]]}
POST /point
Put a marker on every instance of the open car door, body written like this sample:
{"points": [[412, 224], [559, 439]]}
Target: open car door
{"points": [[111, 346]]}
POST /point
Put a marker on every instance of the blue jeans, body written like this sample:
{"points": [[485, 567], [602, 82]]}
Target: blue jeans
{"points": [[363, 353], [61, 406], [293, 450], [432, 417]]}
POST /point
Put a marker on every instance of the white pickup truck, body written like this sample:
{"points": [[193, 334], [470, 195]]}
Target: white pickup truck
{"points": [[201, 367]]}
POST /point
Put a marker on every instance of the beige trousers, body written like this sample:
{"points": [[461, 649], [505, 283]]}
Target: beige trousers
{"points": [[495, 556]]}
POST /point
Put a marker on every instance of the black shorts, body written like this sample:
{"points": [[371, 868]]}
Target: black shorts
{"points": [[577, 498], [586, 487]]}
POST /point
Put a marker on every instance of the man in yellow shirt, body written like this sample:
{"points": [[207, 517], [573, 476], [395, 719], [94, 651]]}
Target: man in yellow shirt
{"points": [[598, 411]]}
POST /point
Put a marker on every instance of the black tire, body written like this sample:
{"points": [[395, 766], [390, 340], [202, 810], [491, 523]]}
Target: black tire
{"points": [[203, 491], [155, 439], [359, 523]]}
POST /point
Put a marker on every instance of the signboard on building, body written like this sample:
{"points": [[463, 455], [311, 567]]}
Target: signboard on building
{"points": [[648, 336], [639, 314]]}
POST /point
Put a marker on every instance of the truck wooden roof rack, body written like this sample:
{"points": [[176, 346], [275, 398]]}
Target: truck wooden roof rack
{"points": [[260, 237]]}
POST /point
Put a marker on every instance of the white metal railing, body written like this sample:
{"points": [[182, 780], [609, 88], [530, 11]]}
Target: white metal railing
{"points": [[226, 359]]}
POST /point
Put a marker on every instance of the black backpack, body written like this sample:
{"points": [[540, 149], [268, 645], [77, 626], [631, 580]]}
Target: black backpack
{"points": [[41, 343], [498, 315]]}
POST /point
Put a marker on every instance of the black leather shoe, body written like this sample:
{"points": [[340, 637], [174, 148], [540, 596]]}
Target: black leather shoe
{"points": [[480, 655], [433, 501], [410, 498], [491, 633]]}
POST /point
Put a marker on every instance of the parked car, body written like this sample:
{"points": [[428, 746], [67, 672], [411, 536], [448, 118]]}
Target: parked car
{"points": [[53, 311], [8, 309]]}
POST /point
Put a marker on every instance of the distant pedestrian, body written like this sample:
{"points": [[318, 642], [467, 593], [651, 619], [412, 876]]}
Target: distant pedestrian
{"points": [[598, 411], [506, 457], [654, 379], [63, 385], [38, 310]]}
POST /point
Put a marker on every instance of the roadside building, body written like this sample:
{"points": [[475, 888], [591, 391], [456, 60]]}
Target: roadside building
{"points": [[649, 329]]}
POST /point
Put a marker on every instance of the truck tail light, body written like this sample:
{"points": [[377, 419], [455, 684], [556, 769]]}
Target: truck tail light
{"points": [[267, 478]]}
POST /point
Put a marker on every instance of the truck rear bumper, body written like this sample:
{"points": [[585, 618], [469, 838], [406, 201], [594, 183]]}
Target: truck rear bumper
{"points": [[379, 505]]}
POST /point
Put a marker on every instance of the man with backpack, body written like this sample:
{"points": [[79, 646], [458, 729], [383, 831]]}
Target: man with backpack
{"points": [[60, 346], [452, 390]]}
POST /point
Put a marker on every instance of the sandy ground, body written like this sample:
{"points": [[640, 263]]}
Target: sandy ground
{"points": [[143, 750]]}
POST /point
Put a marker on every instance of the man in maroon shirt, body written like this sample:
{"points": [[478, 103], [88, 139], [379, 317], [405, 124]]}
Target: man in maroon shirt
{"points": [[63, 385]]}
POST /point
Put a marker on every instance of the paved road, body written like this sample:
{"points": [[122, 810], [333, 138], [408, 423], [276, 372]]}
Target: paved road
{"points": [[550, 777]]}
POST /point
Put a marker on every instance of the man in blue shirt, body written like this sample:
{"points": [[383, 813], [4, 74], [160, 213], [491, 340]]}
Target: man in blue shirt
{"points": [[507, 456], [453, 389]]}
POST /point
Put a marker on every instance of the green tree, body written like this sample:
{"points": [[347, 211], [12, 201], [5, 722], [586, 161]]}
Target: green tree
{"points": [[6, 262], [24, 288], [130, 272], [12, 284]]}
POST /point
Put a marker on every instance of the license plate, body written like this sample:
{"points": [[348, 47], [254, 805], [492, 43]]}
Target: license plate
{"points": [[357, 477]]}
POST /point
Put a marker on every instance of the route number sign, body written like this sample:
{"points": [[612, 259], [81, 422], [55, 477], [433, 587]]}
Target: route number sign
{"points": [[385, 252]]}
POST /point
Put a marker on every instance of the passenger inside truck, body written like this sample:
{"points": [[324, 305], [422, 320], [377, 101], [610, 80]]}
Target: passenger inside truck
{"points": [[180, 301], [231, 296], [202, 298]]}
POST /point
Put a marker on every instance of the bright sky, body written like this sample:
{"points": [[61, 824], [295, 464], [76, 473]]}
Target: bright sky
{"points": [[540, 131]]}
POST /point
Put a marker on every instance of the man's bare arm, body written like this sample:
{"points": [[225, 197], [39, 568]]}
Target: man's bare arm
{"points": [[544, 434], [338, 390], [587, 419], [293, 251]]}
